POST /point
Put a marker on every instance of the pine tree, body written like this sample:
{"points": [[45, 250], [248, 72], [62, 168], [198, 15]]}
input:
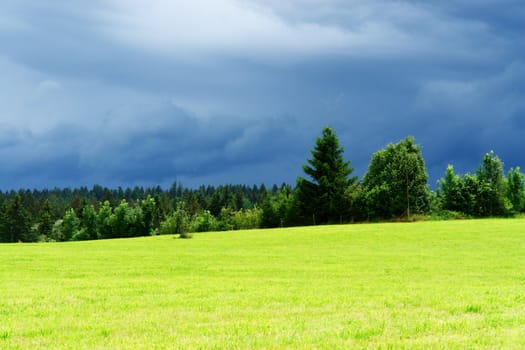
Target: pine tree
{"points": [[15, 224], [322, 199], [45, 224]]}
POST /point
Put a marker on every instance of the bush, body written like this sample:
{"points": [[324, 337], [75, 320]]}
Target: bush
{"points": [[81, 235], [56, 232], [448, 215], [176, 223], [185, 234], [245, 219], [203, 222]]}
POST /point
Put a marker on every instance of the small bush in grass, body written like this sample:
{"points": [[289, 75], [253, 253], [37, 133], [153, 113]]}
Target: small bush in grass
{"points": [[176, 223], [473, 308], [186, 234], [5, 335], [448, 215]]}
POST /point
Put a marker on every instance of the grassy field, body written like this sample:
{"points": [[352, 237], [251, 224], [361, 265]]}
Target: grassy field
{"points": [[426, 285]]}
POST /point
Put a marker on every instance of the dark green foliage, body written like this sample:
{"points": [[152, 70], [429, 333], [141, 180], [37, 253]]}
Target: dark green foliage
{"points": [[322, 199], [45, 223], [516, 190], [150, 216], [245, 219], [203, 222], [396, 182], [278, 208], [15, 224], [103, 221], [394, 187], [356, 196], [177, 223], [120, 220], [146, 209], [88, 222], [486, 193], [451, 191], [70, 224], [491, 195]]}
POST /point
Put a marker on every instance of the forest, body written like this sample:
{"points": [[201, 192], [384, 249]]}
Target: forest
{"points": [[394, 188]]}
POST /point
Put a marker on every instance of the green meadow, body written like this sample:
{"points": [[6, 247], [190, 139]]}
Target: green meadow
{"points": [[424, 285]]}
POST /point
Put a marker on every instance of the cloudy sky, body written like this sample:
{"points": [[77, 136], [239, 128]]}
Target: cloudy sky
{"points": [[147, 92]]}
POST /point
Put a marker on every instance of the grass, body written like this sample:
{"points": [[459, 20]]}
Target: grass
{"points": [[424, 285]]}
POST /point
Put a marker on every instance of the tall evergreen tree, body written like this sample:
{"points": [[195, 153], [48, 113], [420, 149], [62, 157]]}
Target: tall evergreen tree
{"points": [[322, 199], [15, 224], [45, 224]]}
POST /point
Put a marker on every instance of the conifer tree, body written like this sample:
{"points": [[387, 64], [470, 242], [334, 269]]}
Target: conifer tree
{"points": [[45, 224], [15, 224], [322, 199]]}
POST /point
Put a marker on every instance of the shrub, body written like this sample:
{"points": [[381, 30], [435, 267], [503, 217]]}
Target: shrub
{"points": [[203, 222], [81, 235], [56, 232], [448, 215], [244, 219], [176, 223]]}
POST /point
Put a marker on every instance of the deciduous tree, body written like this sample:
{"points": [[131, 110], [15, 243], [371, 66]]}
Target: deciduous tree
{"points": [[396, 182], [516, 189]]}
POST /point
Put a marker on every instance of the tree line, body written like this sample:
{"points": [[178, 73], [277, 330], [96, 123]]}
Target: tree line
{"points": [[395, 187]]}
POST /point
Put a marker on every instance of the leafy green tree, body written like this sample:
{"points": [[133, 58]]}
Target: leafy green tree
{"points": [[147, 207], [89, 222], [177, 223], [471, 189], [396, 182], [244, 219], [56, 232], [225, 221], [516, 189], [137, 225], [491, 196], [355, 195], [103, 221], [70, 224], [120, 220], [277, 210], [451, 191], [322, 199], [269, 217], [203, 222]]}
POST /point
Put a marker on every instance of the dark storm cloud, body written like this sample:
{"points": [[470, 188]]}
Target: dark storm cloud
{"points": [[147, 146], [122, 92]]}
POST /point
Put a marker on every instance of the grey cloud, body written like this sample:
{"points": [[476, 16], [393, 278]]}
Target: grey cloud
{"points": [[86, 101], [160, 144]]}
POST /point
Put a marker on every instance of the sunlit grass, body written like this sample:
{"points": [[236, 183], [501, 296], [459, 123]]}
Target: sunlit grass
{"points": [[458, 284]]}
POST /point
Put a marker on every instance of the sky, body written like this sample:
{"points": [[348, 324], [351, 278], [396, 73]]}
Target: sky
{"points": [[149, 92]]}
